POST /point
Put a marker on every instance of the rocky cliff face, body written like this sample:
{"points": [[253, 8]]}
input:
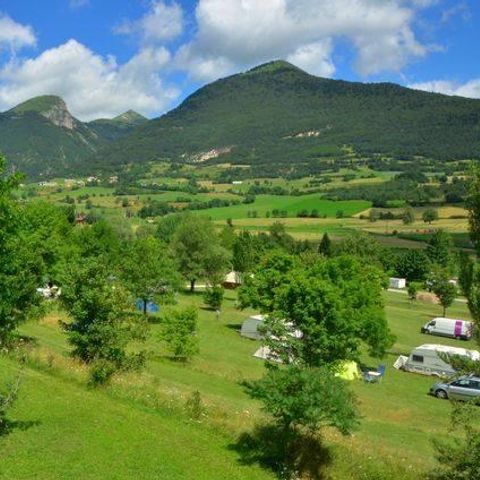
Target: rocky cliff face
{"points": [[59, 115]]}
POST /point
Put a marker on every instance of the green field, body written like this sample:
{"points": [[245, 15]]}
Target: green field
{"points": [[291, 204], [138, 426]]}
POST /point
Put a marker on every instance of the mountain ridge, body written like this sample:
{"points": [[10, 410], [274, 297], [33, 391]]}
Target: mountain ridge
{"points": [[42, 138], [258, 115], [274, 115]]}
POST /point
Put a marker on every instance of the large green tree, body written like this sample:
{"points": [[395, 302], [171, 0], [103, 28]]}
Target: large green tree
{"points": [[102, 321], [336, 303], [20, 267], [473, 204], [198, 250], [149, 271], [439, 249]]}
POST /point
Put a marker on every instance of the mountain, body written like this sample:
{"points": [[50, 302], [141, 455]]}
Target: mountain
{"points": [[115, 128], [277, 114], [41, 138]]}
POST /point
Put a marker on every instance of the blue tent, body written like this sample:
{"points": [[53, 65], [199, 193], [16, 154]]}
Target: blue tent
{"points": [[152, 307]]}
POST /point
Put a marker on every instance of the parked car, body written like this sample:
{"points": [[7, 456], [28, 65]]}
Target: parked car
{"points": [[449, 327], [463, 388]]}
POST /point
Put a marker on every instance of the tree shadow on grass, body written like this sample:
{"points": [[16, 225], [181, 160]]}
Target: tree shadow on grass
{"points": [[288, 454], [234, 326], [8, 426]]}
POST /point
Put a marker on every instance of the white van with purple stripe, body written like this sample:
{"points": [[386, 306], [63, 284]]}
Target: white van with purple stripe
{"points": [[449, 327]]}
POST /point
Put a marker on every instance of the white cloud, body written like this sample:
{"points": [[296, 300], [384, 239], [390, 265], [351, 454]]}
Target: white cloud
{"points": [[163, 22], [92, 86], [243, 33], [79, 3], [13, 35], [314, 58], [470, 89]]}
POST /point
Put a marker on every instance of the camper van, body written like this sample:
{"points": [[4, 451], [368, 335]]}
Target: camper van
{"points": [[448, 327], [427, 360]]}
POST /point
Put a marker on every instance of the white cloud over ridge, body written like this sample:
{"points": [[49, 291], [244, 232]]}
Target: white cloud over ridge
{"points": [[233, 33], [92, 86], [225, 36], [470, 89]]}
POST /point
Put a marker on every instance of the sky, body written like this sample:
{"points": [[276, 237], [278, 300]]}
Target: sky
{"points": [[104, 57]]}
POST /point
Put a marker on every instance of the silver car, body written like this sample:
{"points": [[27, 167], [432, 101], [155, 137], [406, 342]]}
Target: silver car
{"points": [[463, 388]]}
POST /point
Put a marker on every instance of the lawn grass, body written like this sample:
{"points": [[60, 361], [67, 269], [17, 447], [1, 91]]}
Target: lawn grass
{"points": [[137, 424]]}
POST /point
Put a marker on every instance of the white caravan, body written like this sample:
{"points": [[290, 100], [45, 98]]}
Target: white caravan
{"points": [[427, 360], [449, 327]]}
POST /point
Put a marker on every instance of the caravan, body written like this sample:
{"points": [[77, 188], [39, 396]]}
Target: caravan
{"points": [[427, 359], [448, 327]]}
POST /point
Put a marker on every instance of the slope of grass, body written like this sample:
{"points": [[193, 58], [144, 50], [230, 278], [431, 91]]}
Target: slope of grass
{"points": [[67, 431], [140, 416]]}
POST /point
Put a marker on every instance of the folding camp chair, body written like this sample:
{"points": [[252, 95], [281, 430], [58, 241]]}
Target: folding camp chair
{"points": [[374, 376]]}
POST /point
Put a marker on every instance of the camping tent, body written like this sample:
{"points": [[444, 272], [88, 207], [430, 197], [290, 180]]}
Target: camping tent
{"points": [[151, 306], [232, 280], [250, 327], [349, 371]]}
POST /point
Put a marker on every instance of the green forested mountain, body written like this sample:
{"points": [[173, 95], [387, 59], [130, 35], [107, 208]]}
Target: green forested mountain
{"points": [[112, 129], [278, 114], [274, 116], [41, 137]]}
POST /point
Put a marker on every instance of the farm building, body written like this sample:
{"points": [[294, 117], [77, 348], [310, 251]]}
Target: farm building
{"points": [[397, 283]]}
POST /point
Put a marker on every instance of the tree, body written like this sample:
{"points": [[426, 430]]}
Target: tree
{"points": [[325, 246], [47, 229], [103, 323], [413, 265], [246, 252], [197, 250], [167, 226], [473, 204], [306, 398], [408, 216], [412, 290], [213, 297], [439, 248], [465, 273], [430, 215], [149, 271], [459, 457], [20, 268], [179, 332], [337, 304], [444, 290]]}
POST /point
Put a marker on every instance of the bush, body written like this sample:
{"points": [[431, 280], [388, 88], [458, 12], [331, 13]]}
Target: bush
{"points": [[101, 373], [7, 399], [213, 297], [180, 333]]}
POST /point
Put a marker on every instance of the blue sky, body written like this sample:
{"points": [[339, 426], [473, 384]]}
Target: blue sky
{"points": [[106, 56]]}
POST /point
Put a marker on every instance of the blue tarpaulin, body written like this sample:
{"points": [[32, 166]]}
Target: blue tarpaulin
{"points": [[152, 307]]}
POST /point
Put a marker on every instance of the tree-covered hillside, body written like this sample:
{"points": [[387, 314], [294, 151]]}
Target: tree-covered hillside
{"points": [[41, 138], [276, 113]]}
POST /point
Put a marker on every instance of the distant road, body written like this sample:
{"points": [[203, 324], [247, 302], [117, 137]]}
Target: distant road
{"points": [[404, 292]]}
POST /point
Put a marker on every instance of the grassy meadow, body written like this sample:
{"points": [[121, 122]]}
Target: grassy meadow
{"points": [[140, 426]]}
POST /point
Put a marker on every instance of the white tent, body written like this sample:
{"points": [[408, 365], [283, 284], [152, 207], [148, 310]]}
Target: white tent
{"points": [[232, 280], [250, 327]]}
